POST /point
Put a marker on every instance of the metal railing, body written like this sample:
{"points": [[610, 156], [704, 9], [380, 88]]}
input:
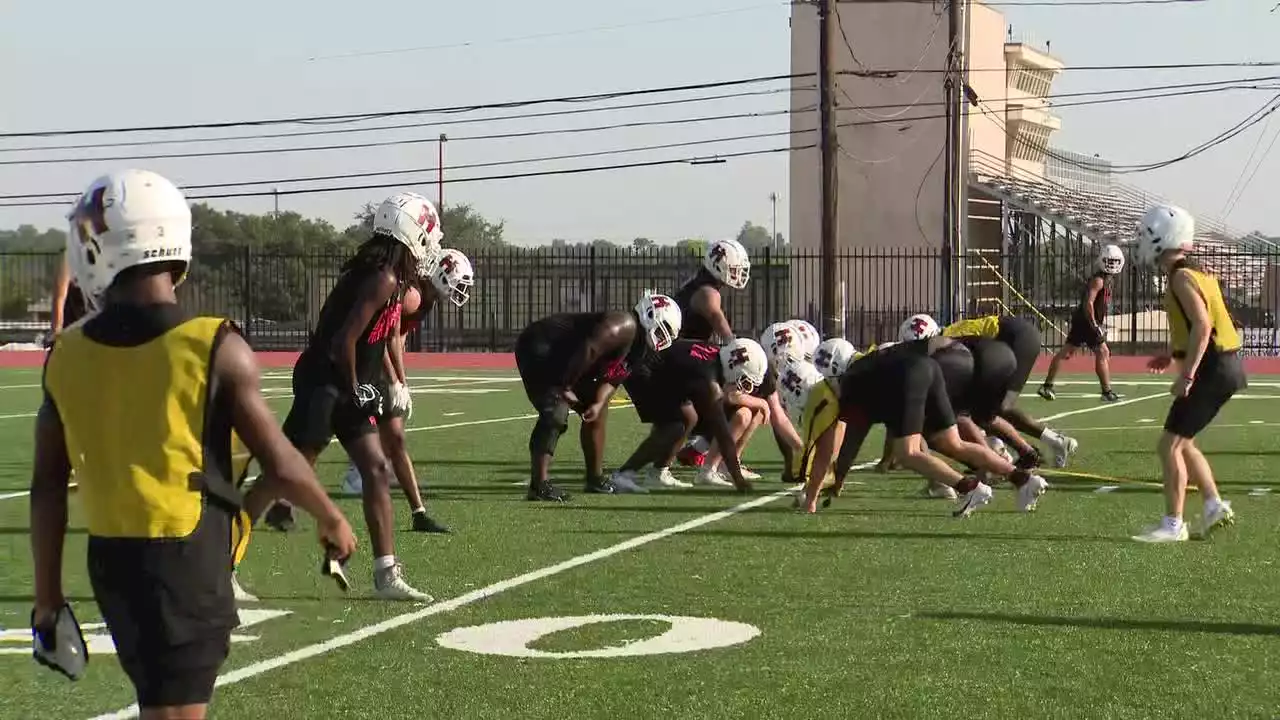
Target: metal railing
{"points": [[277, 297]]}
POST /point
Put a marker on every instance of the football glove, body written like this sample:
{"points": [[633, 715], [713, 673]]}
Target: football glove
{"points": [[59, 645], [367, 398], [401, 399]]}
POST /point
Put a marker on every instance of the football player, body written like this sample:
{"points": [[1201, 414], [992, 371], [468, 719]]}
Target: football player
{"points": [[685, 386], [1087, 329], [1206, 345], [142, 402], [335, 379], [1022, 338], [905, 388], [575, 362], [68, 304], [444, 270]]}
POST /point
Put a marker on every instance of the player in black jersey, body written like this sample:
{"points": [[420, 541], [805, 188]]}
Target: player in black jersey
{"points": [[726, 264], [575, 362], [68, 304], [687, 385], [335, 378], [1087, 325], [420, 298], [906, 387]]}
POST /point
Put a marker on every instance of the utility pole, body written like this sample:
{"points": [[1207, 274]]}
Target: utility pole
{"points": [[773, 200], [953, 214], [828, 142], [440, 173]]}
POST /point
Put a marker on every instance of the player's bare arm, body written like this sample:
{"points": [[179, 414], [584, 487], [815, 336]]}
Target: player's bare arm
{"points": [[61, 287], [1091, 296], [286, 473], [612, 338], [707, 302], [708, 401], [781, 423], [1197, 312], [375, 294], [49, 479]]}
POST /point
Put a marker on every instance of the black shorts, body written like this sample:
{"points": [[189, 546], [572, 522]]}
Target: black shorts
{"points": [[322, 410], [1081, 333], [907, 393], [994, 367], [1218, 378], [541, 374], [1023, 339], [170, 609], [656, 402]]}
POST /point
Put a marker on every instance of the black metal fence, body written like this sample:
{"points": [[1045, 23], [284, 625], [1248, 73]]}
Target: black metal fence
{"points": [[277, 297]]}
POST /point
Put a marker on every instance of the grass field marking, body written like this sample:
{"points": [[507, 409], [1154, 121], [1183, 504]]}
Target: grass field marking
{"points": [[1104, 406], [1214, 426], [1154, 383], [484, 593]]}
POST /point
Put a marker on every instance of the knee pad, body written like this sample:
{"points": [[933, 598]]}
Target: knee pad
{"points": [[551, 424]]}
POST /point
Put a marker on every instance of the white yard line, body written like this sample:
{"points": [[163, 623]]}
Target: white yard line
{"points": [[1095, 408]]}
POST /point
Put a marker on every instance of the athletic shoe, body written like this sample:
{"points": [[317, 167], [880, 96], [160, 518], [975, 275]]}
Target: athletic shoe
{"points": [[713, 477], [624, 481], [1221, 515], [1063, 450], [1030, 492], [972, 500], [1046, 392], [1162, 533], [1109, 395], [663, 478], [938, 492], [546, 492], [389, 584], [423, 523], [352, 483], [748, 474], [242, 595]]}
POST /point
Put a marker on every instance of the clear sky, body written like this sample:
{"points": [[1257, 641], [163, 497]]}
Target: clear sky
{"points": [[75, 64]]}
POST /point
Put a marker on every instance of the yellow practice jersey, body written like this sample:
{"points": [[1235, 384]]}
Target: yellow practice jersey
{"points": [[983, 327], [149, 442], [1223, 336]]}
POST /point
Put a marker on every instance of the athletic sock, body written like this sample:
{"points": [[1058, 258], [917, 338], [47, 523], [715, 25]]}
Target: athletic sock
{"points": [[385, 562]]}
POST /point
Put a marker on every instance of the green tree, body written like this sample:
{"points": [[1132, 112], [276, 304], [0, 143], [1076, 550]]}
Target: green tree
{"points": [[692, 246], [641, 245], [753, 237]]}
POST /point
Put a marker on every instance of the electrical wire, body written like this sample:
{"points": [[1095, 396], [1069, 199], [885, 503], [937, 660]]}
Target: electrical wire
{"points": [[453, 181]]}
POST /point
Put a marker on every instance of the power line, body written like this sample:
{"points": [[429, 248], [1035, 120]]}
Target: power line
{"points": [[407, 126], [393, 143], [1248, 182], [1208, 88], [412, 171], [703, 160], [360, 117]]}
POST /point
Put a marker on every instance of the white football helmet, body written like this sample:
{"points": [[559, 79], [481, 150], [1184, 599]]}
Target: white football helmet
{"points": [[126, 219], [834, 356], [918, 327], [1111, 259], [413, 221], [796, 379], [1163, 228], [781, 340], [810, 339], [728, 262], [744, 364], [660, 318], [452, 276]]}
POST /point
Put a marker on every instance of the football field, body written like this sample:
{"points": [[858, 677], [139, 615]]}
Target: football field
{"points": [[705, 603]]}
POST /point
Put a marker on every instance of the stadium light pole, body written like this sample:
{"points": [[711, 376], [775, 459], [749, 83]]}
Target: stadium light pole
{"points": [[773, 200]]}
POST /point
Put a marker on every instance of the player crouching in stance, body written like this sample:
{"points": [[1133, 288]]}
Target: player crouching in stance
{"points": [[905, 387], [1204, 343], [576, 361], [1087, 329], [687, 385], [335, 378], [1023, 340], [449, 275], [142, 402]]}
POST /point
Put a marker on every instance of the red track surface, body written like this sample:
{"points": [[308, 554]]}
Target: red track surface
{"points": [[506, 361]]}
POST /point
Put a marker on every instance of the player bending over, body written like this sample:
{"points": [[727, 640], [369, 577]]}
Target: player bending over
{"points": [[904, 388], [575, 362], [726, 264], [1205, 345], [151, 450], [1087, 328], [335, 378], [1023, 340], [687, 385], [445, 271]]}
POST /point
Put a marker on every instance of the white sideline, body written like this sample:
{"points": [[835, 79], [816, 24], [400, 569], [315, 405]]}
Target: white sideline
{"points": [[341, 641]]}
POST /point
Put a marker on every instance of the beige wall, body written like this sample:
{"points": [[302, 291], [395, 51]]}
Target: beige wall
{"points": [[987, 30]]}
